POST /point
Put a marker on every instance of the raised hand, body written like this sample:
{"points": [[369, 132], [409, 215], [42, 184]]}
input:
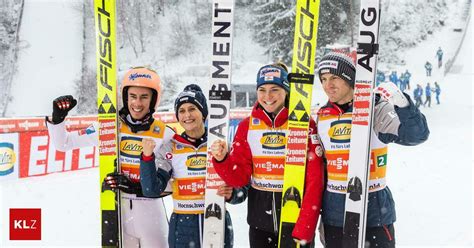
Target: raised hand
{"points": [[148, 146], [219, 149], [61, 107]]}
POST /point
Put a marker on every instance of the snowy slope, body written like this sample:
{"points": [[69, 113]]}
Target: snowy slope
{"points": [[51, 59]]}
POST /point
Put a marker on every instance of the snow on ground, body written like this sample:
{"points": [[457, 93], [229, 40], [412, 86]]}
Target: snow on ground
{"points": [[51, 60], [431, 183]]}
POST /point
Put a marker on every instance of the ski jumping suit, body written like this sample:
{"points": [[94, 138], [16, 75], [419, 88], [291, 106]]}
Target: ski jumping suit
{"points": [[185, 162], [258, 157], [144, 220], [404, 126]]}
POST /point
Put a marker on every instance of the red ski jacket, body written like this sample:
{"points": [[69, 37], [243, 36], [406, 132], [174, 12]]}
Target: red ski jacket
{"points": [[264, 205]]}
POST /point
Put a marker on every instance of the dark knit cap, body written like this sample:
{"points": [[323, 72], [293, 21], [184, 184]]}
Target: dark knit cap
{"points": [[338, 64], [192, 94], [273, 74]]}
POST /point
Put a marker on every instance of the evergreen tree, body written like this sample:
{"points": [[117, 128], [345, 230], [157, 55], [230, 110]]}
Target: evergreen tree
{"points": [[273, 29]]}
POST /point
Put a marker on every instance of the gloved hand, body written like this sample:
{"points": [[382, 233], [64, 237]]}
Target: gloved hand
{"points": [[61, 107], [114, 181], [300, 242], [392, 94]]}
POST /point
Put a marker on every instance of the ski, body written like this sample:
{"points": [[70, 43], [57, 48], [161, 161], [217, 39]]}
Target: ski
{"points": [[104, 12], [301, 87], [218, 123], [360, 159]]}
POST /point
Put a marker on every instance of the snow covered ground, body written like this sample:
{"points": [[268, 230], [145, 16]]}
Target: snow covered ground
{"points": [[51, 59], [431, 183]]}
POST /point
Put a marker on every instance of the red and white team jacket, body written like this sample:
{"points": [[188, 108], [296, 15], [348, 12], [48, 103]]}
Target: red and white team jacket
{"points": [[257, 157]]}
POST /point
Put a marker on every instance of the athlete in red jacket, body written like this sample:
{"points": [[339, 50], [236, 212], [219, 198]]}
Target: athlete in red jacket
{"points": [[257, 158]]}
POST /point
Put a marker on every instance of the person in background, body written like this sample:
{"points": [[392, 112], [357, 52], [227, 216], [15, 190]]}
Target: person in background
{"points": [[417, 94], [257, 157], [184, 161], [144, 220], [380, 77], [407, 79], [401, 82], [428, 95], [396, 120], [394, 78], [437, 91], [439, 55], [428, 68]]}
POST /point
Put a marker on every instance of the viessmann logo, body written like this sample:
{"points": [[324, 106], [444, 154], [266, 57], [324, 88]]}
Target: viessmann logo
{"points": [[7, 158], [273, 140], [131, 147], [196, 162], [340, 131], [25, 224]]}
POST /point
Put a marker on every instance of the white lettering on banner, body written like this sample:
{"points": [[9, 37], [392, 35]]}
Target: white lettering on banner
{"points": [[193, 187], [295, 159], [296, 140], [213, 176], [7, 126], [108, 124], [108, 143], [107, 150], [269, 166], [339, 163], [106, 131], [26, 124], [55, 165], [37, 162], [296, 152]]}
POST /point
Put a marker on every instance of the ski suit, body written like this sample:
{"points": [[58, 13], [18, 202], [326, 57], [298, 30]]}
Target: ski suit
{"points": [[417, 94], [437, 91], [380, 77], [428, 95], [257, 157], [407, 79], [404, 126], [144, 220], [428, 68], [185, 163], [394, 78], [439, 54]]}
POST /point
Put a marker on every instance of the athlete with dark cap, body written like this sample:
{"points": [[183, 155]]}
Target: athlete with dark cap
{"points": [[396, 119]]}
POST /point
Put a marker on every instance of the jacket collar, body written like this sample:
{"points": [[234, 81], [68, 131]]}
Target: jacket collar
{"points": [[280, 118]]}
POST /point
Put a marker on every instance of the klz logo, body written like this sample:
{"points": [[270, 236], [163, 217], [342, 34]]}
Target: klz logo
{"points": [[25, 224]]}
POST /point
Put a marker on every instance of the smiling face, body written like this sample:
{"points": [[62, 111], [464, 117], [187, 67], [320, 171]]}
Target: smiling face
{"points": [[271, 97], [336, 88], [139, 99], [190, 118]]}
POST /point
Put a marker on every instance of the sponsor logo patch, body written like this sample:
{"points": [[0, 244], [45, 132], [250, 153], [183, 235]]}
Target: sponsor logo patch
{"points": [[268, 74], [273, 140], [196, 162], [340, 131], [131, 147], [7, 158]]}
